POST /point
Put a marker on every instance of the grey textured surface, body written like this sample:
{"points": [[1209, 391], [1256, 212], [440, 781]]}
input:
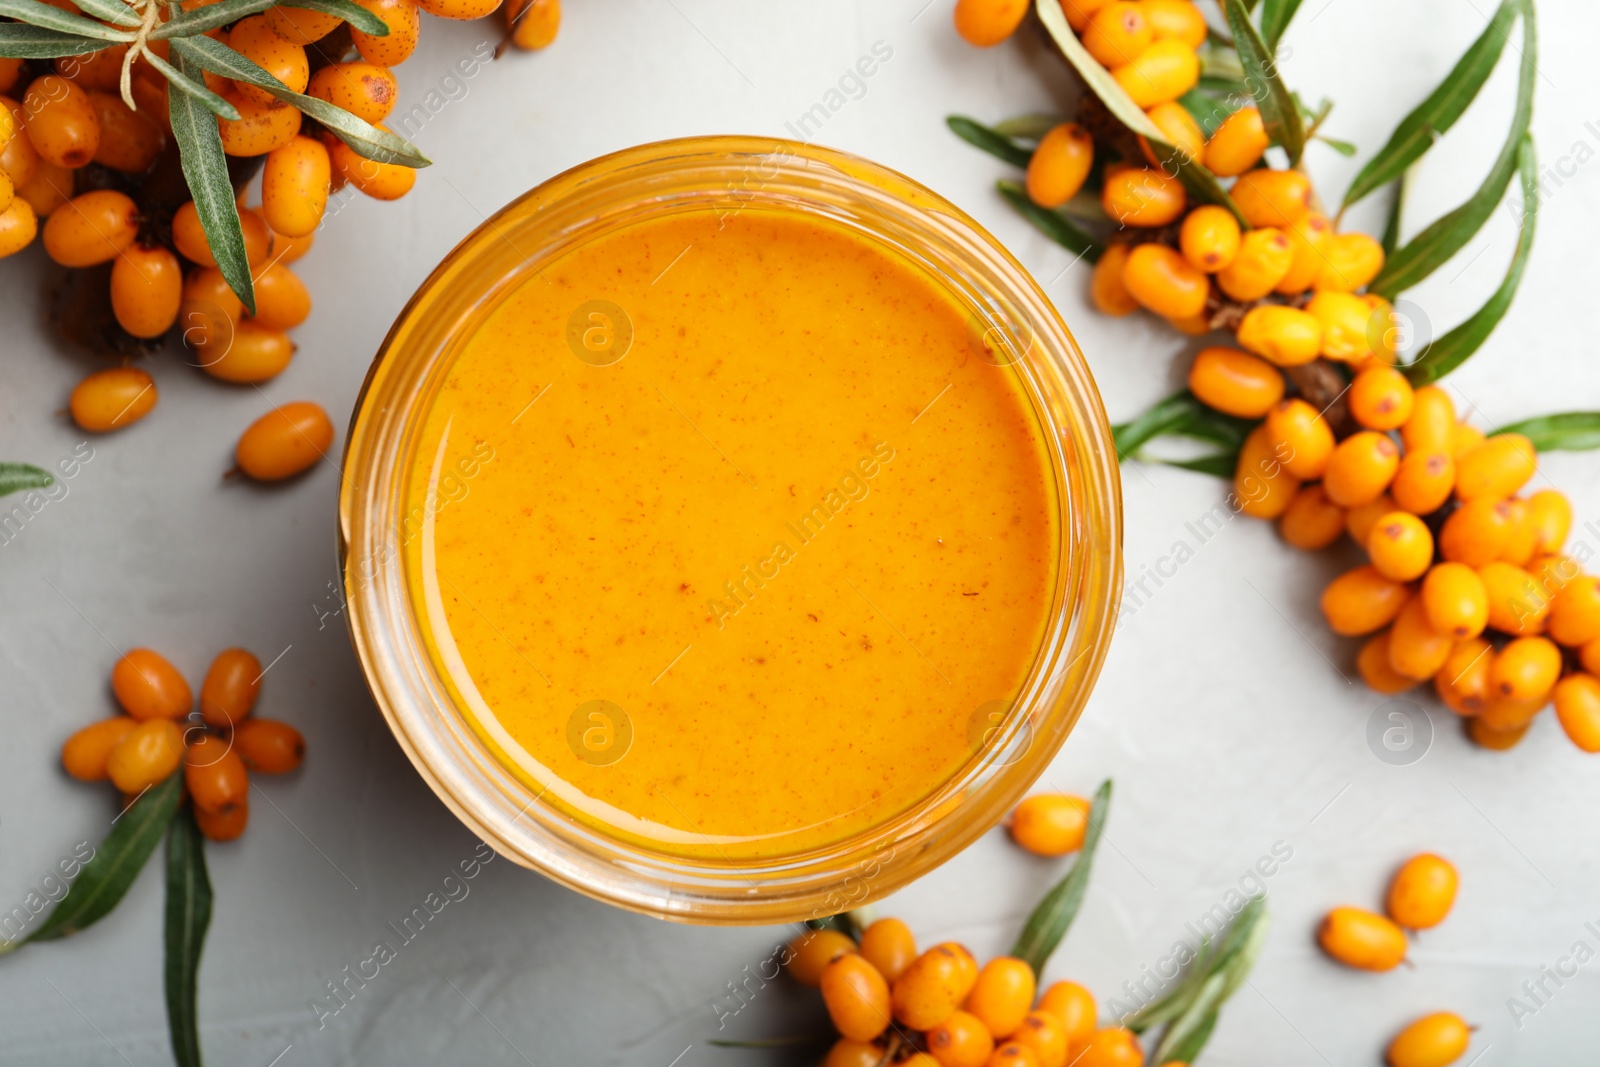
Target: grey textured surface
{"points": [[1223, 713]]}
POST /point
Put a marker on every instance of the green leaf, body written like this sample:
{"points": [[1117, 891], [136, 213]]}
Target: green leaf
{"points": [[1569, 431], [366, 139], [1180, 415], [110, 10], [188, 915], [1279, 112], [194, 88], [1054, 225], [1186, 1048], [1430, 119], [1344, 148], [1397, 206], [357, 16], [991, 141], [205, 168], [210, 17], [1441, 240], [17, 476], [1028, 127], [53, 18], [1053, 917], [1275, 18], [1207, 110], [1217, 971], [21, 41], [1446, 353], [116, 863], [1218, 464]]}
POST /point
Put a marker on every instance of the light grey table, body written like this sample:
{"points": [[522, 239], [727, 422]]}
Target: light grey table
{"points": [[1225, 712]]}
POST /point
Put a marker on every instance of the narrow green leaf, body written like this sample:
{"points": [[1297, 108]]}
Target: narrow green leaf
{"points": [[991, 141], [1180, 415], [366, 139], [1054, 914], [116, 863], [1275, 18], [357, 16], [205, 169], [17, 476], [1569, 431], [1218, 464], [1209, 111], [210, 17], [1227, 961], [21, 41], [1028, 127], [1193, 1041], [1344, 148], [1446, 353], [110, 10], [53, 18], [1188, 1026], [1279, 113], [194, 88], [1053, 224], [1431, 118], [1442, 239], [188, 915], [1397, 207]]}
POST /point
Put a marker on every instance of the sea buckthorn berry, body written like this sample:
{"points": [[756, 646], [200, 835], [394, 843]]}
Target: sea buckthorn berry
{"points": [[215, 775], [533, 23], [256, 354], [1360, 601], [189, 237], [1436, 1040], [1456, 600], [1485, 736], [1045, 1035], [286, 249], [1312, 521], [225, 826], [18, 157], [1112, 1047], [209, 313], [1575, 612], [1302, 437], [91, 228], [282, 300], [1422, 892], [1002, 995], [147, 754], [1050, 824], [1552, 573], [284, 441], [1506, 713], [1475, 532], [856, 996], [930, 989], [268, 746], [811, 951], [1360, 520], [1307, 236], [1526, 669], [1261, 482], [85, 754], [1275, 198], [1359, 938], [1074, 1006], [148, 686], [967, 976], [1344, 318], [1523, 538], [1497, 468], [381, 181], [1463, 682], [366, 90], [1013, 1054], [1143, 196], [1209, 237], [294, 186], [62, 124], [1287, 336], [100, 70], [1060, 165], [1383, 332], [1236, 145], [1401, 546], [1162, 281], [1117, 34], [1577, 699], [299, 26], [1353, 260], [112, 399], [230, 688], [1431, 427], [1423, 481], [1106, 289], [18, 227], [1380, 398], [1416, 649], [1372, 663], [1551, 517], [1264, 258], [129, 141], [1194, 326], [1362, 466], [404, 21], [1079, 12], [1177, 19], [10, 74], [50, 187], [146, 289], [1164, 71], [889, 946], [259, 128], [847, 1053], [981, 23], [960, 1041], [1235, 382], [1463, 439], [1516, 603], [256, 40], [1176, 125]]}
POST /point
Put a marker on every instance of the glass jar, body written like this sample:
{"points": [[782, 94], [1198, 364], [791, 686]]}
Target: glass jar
{"points": [[1017, 327]]}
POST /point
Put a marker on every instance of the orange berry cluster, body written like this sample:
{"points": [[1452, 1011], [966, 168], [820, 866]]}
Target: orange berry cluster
{"points": [[1420, 895], [148, 743]]}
